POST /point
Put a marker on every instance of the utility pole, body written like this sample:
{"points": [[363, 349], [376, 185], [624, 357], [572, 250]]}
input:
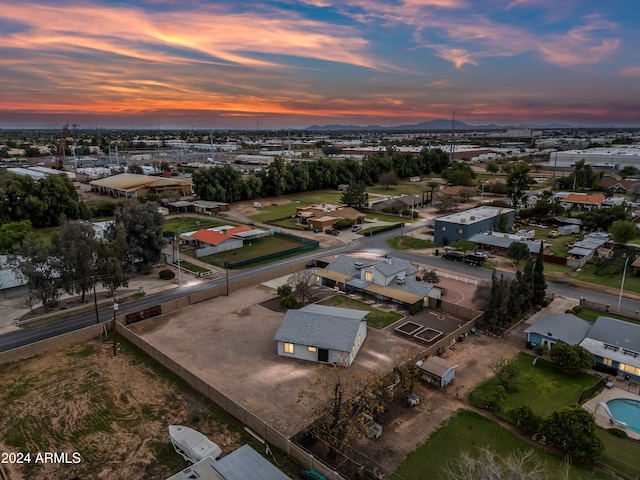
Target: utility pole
{"points": [[622, 284], [95, 299], [226, 267], [115, 309]]}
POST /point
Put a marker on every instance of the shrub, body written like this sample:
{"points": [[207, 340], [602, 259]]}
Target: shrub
{"points": [[616, 432], [166, 274], [524, 417], [287, 302]]}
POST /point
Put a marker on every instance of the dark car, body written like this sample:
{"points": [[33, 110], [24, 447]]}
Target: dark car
{"points": [[455, 256], [332, 231], [474, 259]]}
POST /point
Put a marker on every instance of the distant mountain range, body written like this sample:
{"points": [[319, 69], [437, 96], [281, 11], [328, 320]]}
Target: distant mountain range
{"points": [[440, 124]]}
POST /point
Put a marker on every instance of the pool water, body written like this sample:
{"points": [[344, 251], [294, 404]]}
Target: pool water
{"points": [[627, 411]]}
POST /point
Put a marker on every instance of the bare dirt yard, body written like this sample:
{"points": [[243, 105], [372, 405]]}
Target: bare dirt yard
{"points": [[406, 428], [107, 415]]}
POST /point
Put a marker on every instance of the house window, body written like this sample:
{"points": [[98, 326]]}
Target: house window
{"points": [[459, 231], [368, 276], [629, 369], [359, 340], [311, 349], [443, 228], [607, 362], [288, 347], [353, 349]]}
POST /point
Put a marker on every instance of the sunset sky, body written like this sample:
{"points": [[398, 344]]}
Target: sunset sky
{"points": [[291, 64]]}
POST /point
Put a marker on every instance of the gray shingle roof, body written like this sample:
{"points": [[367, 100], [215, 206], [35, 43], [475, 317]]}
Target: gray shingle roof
{"points": [[332, 328], [563, 326], [616, 332]]}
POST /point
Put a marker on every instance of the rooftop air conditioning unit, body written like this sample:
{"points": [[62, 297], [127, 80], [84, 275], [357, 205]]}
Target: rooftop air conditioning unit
{"points": [[472, 218], [359, 264], [399, 279]]}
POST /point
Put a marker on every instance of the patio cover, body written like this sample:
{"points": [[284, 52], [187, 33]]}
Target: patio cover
{"points": [[394, 293], [331, 275]]}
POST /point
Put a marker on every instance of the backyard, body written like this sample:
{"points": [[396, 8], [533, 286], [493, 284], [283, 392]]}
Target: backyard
{"points": [[376, 318], [540, 386], [470, 431]]}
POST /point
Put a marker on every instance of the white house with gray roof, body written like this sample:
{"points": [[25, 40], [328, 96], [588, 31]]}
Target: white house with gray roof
{"points": [[324, 334]]}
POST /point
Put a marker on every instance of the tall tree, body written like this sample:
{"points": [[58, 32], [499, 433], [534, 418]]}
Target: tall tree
{"points": [[112, 265], [538, 282], [36, 263], [75, 246], [338, 400], [143, 225], [388, 178], [12, 234], [518, 181], [355, 195], [623, 231]]}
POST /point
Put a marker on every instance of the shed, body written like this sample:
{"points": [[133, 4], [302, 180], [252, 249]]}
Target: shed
{"points": [[437, 370], [568, 229]]}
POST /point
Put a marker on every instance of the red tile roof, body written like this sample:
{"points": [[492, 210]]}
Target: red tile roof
{"points": [[584, 198], [217, 237]]}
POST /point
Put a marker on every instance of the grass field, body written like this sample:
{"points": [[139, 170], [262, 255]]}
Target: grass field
{"points": [[406, 243], [542, 387], [189, 224], [592, 315], [376, 318], [257, 248], [621, 454], [287, 207], [588, 274], [470, 431]]}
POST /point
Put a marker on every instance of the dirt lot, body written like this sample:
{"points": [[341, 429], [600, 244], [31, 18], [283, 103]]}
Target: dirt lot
{"points": [[113, 412], [228, 342], [407, 428]]}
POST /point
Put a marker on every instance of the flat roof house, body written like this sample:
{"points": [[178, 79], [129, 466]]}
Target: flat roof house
{"points": [[324, 334], [463, 225]]}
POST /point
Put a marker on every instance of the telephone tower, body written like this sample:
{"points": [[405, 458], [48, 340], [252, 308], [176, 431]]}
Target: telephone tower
{"points": [[62, 146]]}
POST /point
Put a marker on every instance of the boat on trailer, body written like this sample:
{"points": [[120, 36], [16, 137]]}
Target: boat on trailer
{"points": [[192, 445]]}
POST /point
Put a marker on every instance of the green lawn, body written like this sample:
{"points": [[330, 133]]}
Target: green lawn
{"points": [[257, 248], [542, 387], [287, 205], [588, 274], [376, 318], [416, 188], [406, 243], [621, 454], [192, 267], [189, 224], [592, 315], [470, 431]]}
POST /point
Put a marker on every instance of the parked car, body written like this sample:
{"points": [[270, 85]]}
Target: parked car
{"points": [[474, 259], [455, 256], [554, 234], [332, 231], [356, 228]]}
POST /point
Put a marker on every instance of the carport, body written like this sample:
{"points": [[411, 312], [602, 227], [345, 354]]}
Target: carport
{"points": [[393, 294]]}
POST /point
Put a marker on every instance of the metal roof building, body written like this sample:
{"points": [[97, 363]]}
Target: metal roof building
{"points": [[134, 185]]}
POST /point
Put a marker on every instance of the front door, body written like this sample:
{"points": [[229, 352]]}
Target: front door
{"points": [[323, 355]]}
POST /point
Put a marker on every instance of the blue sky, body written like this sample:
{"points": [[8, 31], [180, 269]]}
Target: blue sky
{"points": [[291, 64]]}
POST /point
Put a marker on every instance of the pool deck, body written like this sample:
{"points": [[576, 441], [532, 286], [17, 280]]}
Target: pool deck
{"points": [[602, 419]]}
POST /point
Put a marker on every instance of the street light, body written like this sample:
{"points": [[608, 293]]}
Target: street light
{"points": [[622, 284]]}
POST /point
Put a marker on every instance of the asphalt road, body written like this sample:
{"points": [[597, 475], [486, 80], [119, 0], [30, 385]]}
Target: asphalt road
{"points": [[375, 244]]}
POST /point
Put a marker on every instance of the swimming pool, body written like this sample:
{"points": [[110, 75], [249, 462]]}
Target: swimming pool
{"points": [[627, 411]]}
